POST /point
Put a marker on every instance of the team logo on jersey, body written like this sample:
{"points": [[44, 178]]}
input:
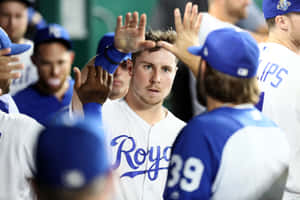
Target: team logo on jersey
{"points": [[155, 157], [283, 5]]}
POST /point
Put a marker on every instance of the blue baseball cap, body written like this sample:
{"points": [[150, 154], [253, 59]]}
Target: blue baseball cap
{"points": [[272, 8], [108, 40], [5, 42], [52, 32], [230, 52], [71, 154]]}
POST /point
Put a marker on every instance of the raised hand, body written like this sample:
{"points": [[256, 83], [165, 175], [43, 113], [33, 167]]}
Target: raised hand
{"points": [[130, 37], [187, 35], [7, 69], [96, 87]]}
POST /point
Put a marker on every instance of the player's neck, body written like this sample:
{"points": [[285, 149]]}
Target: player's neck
{"points": [[214, 104], [19, 41], [220, 13], [152, 114], [59, 94], [283, 40]]}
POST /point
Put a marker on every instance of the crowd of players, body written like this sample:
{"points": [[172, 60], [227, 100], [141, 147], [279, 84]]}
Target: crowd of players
{"points": [[107, 135]]}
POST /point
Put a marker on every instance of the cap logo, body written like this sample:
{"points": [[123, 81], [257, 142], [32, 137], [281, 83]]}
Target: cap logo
{"points": [[242, 72], [283, 5], [54, 31], [73, 179], [205, 52]]}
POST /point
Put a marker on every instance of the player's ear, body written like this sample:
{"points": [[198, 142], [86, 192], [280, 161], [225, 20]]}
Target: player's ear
{"points": [[72, 55], [129, 64], [33, 59], [203, 66], [282, 21]]}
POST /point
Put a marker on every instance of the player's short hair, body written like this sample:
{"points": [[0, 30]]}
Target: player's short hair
{"points": [[169, 36], [229, 89], [270, 22], [95, 188]]}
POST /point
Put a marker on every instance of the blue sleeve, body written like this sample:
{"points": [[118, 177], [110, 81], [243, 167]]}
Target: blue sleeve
{"points": [[109, 58], [93, 110], [192, 167]]}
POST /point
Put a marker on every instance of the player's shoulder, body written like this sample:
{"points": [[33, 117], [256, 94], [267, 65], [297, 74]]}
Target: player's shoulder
{"points": [[17, 124], [27, 93], [175, 120], [276, 51]]}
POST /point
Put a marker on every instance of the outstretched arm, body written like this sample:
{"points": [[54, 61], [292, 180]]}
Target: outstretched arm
{"points": [[187, 35]]}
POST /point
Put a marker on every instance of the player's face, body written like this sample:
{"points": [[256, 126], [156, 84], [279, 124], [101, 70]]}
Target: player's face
{"points": [[121, 82], [152, 76], [237, 8], [53, 61], [14, 19], [294, 28]]}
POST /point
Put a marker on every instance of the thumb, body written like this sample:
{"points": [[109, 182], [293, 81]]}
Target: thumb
{"points": [[77, 75], [167, 46]]}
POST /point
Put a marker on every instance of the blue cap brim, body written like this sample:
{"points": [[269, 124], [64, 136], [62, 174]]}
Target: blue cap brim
{"points": [[18, 48], [195, 50]]}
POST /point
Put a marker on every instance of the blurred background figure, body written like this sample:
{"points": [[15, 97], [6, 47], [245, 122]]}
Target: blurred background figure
{"points": [[72, 162], [121, 75], [53, 57], [14, 20]]}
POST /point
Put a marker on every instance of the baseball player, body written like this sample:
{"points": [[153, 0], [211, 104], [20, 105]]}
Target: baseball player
{"points": [[72, 170], [141, 131], [53, 58], [232, 151], [278, 78], [5, 98], [14, 20], [17, 132]]}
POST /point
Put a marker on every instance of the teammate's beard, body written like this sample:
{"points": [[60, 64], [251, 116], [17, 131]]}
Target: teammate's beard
{"points": [[201, 94]]}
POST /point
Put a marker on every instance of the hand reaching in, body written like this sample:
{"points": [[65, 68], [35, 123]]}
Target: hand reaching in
{"points": [[97, 86], [187, 35], [130, 37]]}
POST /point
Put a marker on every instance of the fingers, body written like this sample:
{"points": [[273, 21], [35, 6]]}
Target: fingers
{"points": [[119, 23], [4, 60], [177, 20], [110, 81], [127, 20], [194, 15], [198, 22], [167, 46], [187, 15], [147, 44], [77, 75], [142, 25], [4, 52], [134, 20], [9, 75], [92, 73]]}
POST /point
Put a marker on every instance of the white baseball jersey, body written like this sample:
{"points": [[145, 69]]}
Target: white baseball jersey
{"points": [[140, 151], [18, 135], [278, 77], [229, 154], [29, 74]]}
